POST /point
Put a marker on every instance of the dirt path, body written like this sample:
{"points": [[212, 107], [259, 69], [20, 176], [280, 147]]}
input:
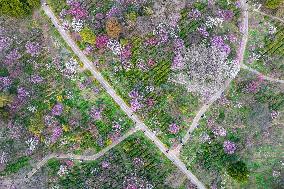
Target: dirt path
{"points": [[207, 105], [139, 124]]}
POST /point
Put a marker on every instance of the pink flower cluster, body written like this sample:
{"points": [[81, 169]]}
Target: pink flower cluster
{"points": [[138, 162], [57, 132], [69, 163], [134, 102], [116, 127], [35, 79], [13, 56], [229, 147], [77, 11], [5, 82], [254, 86], [219, 131], [178, 61], [135, 105], [105, 164], [131, 186], [218, 42], [274, 114], [101, 41], [113, 12], [174, 128], [194, 14], [227, 15], [57, 109], [126, 52], [95, 113], [32, 48], [22, 93], [151, 41], [5, 42], [203, 32]]}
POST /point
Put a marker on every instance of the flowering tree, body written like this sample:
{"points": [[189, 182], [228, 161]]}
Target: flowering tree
{"points": [[3, 158], [87, 35], [77, 11], [229, 147], [174, 128], [77, 24], [113, 27], [33, 48], [203, 69]]}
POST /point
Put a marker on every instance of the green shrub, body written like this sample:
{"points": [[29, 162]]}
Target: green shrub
{"points": [[88, 73], [57, 5], [54, 165], [238, 171], [4, 72], [4, 100], [212, 156], [16, 166]]}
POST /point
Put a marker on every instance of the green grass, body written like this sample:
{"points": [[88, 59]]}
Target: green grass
{"points": [[15, 166]]}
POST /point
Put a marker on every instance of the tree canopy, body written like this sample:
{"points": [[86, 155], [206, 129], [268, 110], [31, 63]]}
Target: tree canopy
{"points": [[18, 8], [238, 171], [273, 4]]}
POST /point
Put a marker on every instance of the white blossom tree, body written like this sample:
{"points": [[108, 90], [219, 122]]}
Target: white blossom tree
{"points": [[3, 158], [77, 24], [204, 70]]}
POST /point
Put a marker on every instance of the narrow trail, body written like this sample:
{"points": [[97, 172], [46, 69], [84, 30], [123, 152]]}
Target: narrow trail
{"points": [[205, 107], [8, 182], [80, 157], [243, 66], [273, 17]]}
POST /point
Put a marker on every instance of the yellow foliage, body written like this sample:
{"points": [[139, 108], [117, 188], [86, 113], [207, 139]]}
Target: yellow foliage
{"points": [[81, 64], [88, 35], [67, 109], [170, 98], [59, 98], [132, 16], [36, 125], [123, 42], [65, 128], [184, 109], [35, 24], [108, 142], [71, 139], [78, 138], [4, 100], [41, 138], [148, 11], [126, 148]]}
